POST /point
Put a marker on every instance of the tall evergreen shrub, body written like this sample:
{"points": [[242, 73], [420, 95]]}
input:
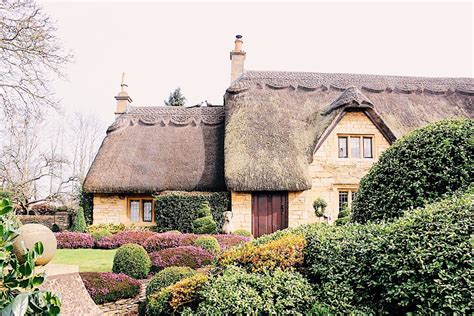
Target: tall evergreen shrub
{"points": [[421, 167]]}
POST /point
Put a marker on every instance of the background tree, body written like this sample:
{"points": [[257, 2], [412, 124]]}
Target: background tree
{"points": [[30, 54], [176, 98]]}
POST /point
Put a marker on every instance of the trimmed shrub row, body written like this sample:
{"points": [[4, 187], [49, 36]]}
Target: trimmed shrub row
{"points": [[106, 287], [420, 263]]}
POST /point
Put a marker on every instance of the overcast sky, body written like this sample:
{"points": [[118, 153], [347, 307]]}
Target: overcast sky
{"points": [[164, 45]]}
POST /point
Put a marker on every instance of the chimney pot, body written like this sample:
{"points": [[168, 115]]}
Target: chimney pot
{"points": [[123, 99], [237, 57]]}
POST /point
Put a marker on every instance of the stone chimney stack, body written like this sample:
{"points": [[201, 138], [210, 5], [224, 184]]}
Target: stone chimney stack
{"points": [[237, 57], [123, 99]]}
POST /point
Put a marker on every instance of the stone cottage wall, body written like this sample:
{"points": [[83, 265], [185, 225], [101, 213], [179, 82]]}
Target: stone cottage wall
{"points": [[242, 210], [110, 209], [329, 174]]}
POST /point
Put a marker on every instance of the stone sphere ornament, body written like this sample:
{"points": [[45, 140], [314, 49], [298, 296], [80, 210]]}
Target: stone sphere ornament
{"points": [[31, 234]]}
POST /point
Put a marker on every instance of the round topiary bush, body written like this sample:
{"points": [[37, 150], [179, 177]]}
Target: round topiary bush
{"points": [[242, 232], [132, 260], [168, 276], [208, 243], [420, 167]]}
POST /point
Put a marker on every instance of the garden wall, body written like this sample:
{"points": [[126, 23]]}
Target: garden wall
{"points": [[62, 219]]}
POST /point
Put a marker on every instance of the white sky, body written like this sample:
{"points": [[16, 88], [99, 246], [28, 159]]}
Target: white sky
{"points": [[164, 45]]}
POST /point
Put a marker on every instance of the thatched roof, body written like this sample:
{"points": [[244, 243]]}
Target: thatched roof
{"points": [[274, 120], [152, 149]]}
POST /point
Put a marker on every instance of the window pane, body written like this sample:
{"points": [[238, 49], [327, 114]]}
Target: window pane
{"points": [[355, 147], [134, 211], [342, 147], [367, 147], [147, 211], [343, 199], [353, 196]]}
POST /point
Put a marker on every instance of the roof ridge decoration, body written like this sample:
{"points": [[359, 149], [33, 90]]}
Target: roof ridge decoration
{"points": [[164, 116], [352, 97], [312, 81]]}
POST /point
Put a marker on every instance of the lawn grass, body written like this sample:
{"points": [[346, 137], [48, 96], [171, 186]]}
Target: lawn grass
{"points": [[88, 260]]}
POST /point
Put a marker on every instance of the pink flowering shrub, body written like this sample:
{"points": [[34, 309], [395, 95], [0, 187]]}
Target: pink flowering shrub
{"points": [[106, 287], [168, 240], [227, 241], [183, 256], [72, 240], [125, 237]]}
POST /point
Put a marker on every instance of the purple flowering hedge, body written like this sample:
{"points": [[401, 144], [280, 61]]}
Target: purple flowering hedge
{"points": [[151, 241], [183, 256], [126, 237], [168, 240], [106, 287], [72, 240]]}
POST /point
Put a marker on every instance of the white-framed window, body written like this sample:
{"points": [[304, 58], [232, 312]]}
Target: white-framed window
{"points": [[355, 146], [134, 211], [346, 196], [147, 210], [140, 210]]}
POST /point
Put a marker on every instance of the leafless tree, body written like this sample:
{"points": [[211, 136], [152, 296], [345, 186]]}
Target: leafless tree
{"points": [[47, 160], [30, 56], [87, 131]]}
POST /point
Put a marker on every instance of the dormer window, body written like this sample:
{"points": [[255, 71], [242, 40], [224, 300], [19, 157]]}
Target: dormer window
{"points": [[355, 146]]}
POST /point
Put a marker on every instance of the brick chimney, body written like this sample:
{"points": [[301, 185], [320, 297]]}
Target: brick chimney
{"points": [[123, 99], [237, 57]]}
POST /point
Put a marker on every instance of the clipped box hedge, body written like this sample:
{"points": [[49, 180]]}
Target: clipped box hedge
{"points": [[420, 263], [177, 211]]}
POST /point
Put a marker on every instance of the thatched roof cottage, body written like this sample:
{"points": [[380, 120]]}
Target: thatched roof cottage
{"points": [[281, 140]]}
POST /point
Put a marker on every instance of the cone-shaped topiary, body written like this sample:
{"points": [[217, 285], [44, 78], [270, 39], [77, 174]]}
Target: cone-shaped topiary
{"points": [[205, 223], [79, 224]]}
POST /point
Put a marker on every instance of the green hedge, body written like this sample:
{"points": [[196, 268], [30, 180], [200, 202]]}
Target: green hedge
{"points": [[237, 292], [420, 263], [420, 167], [177, 211]]}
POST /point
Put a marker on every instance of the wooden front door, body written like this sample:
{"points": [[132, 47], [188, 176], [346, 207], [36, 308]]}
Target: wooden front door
{"points": [[269, 212]]}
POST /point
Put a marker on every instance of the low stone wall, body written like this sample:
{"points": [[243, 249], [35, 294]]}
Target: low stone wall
{"points": [[62, 219], [127, 306]]}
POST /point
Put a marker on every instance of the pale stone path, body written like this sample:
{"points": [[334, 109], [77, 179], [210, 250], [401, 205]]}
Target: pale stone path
{"points": [[65, 281]]}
